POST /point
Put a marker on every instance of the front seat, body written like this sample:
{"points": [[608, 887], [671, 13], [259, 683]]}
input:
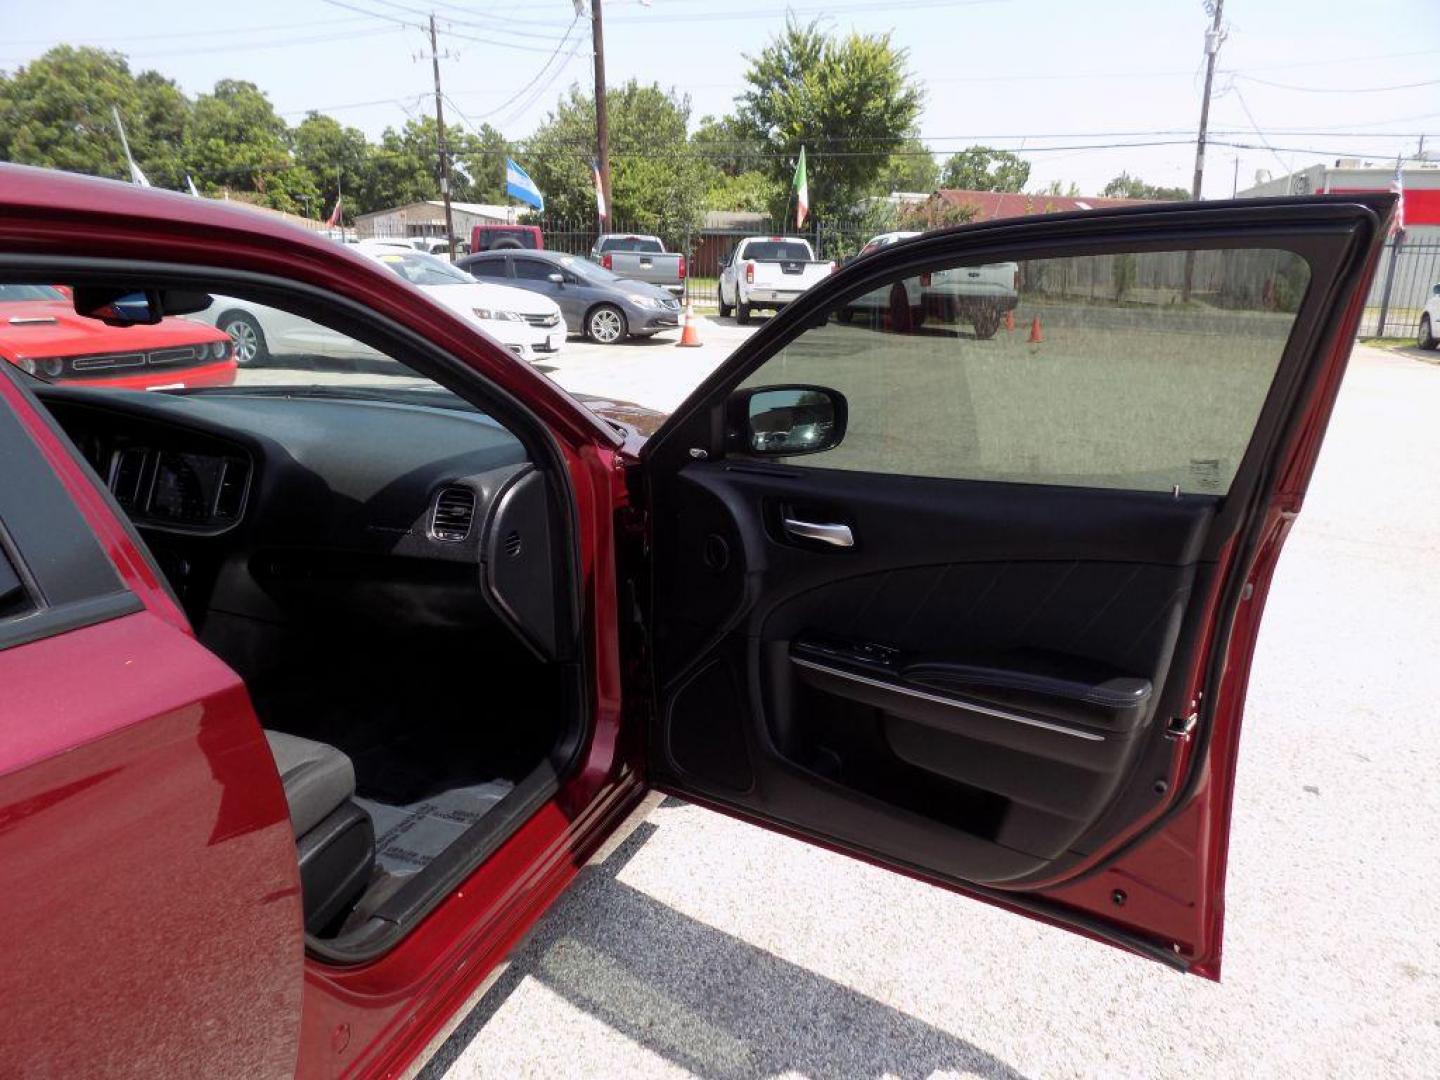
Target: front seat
{"points": [[334, 836]]}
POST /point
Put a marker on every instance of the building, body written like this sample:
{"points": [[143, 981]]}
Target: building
{"points": [[1353, 176], [428, 219], [993, 205]]}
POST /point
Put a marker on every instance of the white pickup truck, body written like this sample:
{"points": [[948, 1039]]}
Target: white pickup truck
{"points": [[768, 272], [982, 294]]}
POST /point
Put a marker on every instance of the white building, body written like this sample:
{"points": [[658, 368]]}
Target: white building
{"points": [[428, 219], [1353, 176]]}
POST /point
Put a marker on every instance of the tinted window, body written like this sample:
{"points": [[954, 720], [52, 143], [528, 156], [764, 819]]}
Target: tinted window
{"points": [[30, 292], [632, 243], [1130, 385], [776, 250], [512, 237], [487, 268], [587, 270], [533, 270]]}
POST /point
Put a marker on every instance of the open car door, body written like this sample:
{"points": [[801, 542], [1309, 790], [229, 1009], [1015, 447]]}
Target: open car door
{"points": [[978, 603]]}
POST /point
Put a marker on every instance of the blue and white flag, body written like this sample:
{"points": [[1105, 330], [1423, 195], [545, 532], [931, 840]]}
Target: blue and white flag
{"points": [[518, 185]]}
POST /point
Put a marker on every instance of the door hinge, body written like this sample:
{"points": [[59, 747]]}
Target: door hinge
{"points": [[1180, 728]]}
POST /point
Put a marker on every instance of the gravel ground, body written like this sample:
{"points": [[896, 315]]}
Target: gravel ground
{"points": [[706, 947]]}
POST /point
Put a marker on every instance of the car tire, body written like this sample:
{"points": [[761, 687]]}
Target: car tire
{"points": [[725, 309], [247, 337], [1426, 338], [986, 322], [606, 325], [742, 309]]}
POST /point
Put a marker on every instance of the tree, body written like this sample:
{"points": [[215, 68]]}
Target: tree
{"points": [[657, 184], [1126, 186], [850, 102], [910, 168], [337, 157], [982, 168], [729, 145], [56, 113], [1057, 187], [236, 140], [751, 191]]}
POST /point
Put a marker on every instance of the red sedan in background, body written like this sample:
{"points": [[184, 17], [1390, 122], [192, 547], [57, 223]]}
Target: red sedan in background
{"points": [[41, 334]]}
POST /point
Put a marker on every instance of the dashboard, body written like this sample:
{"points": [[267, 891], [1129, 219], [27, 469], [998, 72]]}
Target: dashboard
{"points": [[280, 506]]}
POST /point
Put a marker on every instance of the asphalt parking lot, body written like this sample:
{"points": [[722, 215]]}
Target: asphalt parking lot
{"points": [[707, 947]]}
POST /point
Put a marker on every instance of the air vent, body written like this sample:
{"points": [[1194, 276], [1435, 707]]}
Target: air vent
{"points": [[454, 513], [512, 543]]}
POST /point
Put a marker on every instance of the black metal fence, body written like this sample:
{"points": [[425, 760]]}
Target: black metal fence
{"points": [[1408, 274]]}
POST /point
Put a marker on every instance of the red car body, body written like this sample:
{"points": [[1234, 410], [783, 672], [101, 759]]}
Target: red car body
{"points": [[45, 336], [125, 743]]}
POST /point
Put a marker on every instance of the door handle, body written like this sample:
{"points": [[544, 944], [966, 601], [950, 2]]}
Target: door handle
{"points": [[834, 535]]}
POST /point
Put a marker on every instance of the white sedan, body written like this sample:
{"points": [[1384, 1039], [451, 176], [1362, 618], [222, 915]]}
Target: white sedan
{"points": [[527, 324]]}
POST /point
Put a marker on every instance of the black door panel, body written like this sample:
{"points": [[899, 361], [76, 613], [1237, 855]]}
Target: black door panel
{"points": [[985, 661]]}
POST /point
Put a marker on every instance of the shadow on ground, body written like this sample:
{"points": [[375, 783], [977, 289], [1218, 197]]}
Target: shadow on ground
{"points": [[706, 1000]]}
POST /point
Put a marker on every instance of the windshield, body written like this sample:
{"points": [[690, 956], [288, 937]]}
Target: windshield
{"points": [[777, 251], [633, 243], [30, 292], [586, 269], [421, 269]]}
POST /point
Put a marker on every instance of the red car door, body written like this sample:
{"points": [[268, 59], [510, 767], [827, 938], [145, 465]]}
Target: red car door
{"points": [[152, 902], [978, 606]]}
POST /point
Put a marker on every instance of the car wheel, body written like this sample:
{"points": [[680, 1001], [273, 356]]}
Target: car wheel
{"points": [[725, 308], [247, 337], [1427, 338], [606, 325], [742, 309], [986, 323]]}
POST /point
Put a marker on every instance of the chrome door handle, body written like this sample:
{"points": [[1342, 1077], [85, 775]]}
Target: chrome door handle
{"points": [[834, 535]]}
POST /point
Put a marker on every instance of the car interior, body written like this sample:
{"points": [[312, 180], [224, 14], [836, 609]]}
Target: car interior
{"points": [[386, 568]]}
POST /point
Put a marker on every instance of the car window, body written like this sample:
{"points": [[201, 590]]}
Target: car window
{"points": [[774, 250], [588, 271], [486, 268], [533, 269], [421, 269], [29, 292], [1111, 377], [524, 237], [632, 243]]}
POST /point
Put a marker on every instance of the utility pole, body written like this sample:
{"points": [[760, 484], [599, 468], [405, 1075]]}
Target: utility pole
{"points": [[1213, 37], [444, 150], [602, 111]]}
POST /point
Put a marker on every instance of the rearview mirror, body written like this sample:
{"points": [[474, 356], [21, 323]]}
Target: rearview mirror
{"points": [[117, 307], [557, 277], [784, 421]]}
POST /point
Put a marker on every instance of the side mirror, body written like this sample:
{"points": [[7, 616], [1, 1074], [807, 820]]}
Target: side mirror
{"points": [[785, 421], [557, 277]]}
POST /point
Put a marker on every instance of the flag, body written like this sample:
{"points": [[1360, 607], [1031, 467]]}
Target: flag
{"points": [[191, 185], [1397, 185], [802, 192], [334, 219], [518, 185], [136, 176], [599, 190]]}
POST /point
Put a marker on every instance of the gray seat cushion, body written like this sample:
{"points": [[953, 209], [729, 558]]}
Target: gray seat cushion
{"points": [[318, 778]]}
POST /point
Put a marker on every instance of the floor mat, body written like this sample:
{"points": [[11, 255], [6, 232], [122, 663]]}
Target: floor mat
{"points": [[408, 837]]}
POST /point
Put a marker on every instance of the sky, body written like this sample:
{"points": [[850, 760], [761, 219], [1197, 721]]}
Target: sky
{"points": [[1056, 81]]}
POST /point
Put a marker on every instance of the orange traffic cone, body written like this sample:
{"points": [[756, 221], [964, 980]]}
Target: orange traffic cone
{"points": [[1010, 320], [690, 338], [1036, 334]]}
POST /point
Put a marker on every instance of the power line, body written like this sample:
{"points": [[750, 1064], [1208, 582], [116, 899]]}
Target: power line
{"points": [[1338, 89]]}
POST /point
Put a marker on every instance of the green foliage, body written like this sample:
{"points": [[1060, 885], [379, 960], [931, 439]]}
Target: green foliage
{"points": [[752, 191], [849, 94], [236, 140], [55, 112], [910, 168], [337, 157], [934, 214], [657, 185], [729, 145], [1126, 186], [1056, 187], [981, 168]]}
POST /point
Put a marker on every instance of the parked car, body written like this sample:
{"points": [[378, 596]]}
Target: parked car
{"points": [[640, 258], [438, 245], [604, 307], [768, 272], [498, 237], [463, 601], [527, 325], [41, 334], [1429, 335], [981, 294]]}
